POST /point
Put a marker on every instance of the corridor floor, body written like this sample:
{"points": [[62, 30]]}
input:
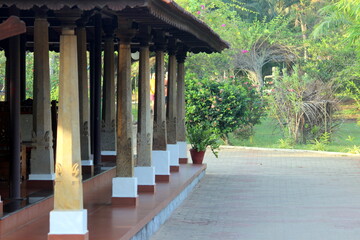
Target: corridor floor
{"points": [[271, 195]]}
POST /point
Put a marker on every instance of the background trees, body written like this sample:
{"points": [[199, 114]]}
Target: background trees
{"points": [[320, 37]]}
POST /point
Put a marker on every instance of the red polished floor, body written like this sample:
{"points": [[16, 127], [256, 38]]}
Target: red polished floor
{"points": [[110, 222]]}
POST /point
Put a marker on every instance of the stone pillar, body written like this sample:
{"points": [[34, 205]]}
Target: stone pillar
{"points": [[42, 156], [171, 112], [144, 170], [86, 157], [68, 220], [125, 184], [108, 113], [181, 131], [160, 155]]}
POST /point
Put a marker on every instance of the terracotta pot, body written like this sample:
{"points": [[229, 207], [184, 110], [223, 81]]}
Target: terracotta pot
{"points": [[197, 157]]}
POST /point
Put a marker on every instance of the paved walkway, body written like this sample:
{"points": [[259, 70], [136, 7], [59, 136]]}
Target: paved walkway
{"points": [[271, 195]]}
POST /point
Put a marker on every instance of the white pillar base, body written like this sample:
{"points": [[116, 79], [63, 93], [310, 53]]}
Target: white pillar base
{"points": [[87, 162], [68, 222], [145, 175], [174, 154], [42, 177], [161, 162], [183, 151], [108, 153], [124, 191], [124, 187]]}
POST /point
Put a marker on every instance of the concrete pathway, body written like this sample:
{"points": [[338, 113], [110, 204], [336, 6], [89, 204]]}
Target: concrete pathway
{"points": [[271, 195]]}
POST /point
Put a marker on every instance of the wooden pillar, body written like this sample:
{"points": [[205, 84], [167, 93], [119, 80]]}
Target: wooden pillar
{"points": [[97, 90], [22, 67], [160, 133], [87, 162], [14, 98], [42, 157], [180, 124], [108, 113], [144, 171], [171, 112], [124, 159], [160, 155], [144, 131], [92, 87], [125, 184], [68, 217]]}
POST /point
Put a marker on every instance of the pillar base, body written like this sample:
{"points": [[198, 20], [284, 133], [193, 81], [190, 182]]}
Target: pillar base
{"points": [[41, 181], [161, 162], [162, 178], [183, 150], [146, 178], [87, 167], [68, 236], [108, 156], [68, 225], [183, 160], [124, 191], [174, 155], [174, 168]]}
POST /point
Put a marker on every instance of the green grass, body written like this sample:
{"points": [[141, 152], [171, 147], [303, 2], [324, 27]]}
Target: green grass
{"points": [[268, 135]]}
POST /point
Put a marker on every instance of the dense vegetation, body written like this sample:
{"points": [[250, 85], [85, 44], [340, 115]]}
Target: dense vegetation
{"points": [[301, 56]]}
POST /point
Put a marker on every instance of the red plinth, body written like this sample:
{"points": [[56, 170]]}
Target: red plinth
{"points": [[146, 188], [183, 160], [162, 178], [124, 201], [88, 169], [174, 168], [108, 158], [43, 184], [68, 236]]}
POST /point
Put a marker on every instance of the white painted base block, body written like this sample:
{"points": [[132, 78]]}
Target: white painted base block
{"points": [[183, 151], [87, 162], [145, 175], [42, 177], [174, 154], [161, 162], [68, 222], [108, 153], [124, 187]]}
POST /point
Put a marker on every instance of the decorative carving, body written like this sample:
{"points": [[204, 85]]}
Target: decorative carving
{"points": [[58, 170], [75, 171]]}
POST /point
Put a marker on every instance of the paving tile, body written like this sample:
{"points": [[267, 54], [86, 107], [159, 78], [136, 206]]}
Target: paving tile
{"points": [[271, 195]]}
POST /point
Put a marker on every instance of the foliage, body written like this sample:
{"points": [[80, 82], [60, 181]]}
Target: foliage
{"points": [[224, 104], [203, 135], [304, 107], [286, 143], [321, 143]]}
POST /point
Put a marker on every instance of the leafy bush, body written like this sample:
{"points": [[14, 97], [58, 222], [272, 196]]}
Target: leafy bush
{"points": [[225, 105]]}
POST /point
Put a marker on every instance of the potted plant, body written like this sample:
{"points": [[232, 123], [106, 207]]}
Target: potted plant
{"points": [[201, 136]]}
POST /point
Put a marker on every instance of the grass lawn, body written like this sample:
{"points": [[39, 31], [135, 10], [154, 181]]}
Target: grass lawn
{"points": [[268, 135]]}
